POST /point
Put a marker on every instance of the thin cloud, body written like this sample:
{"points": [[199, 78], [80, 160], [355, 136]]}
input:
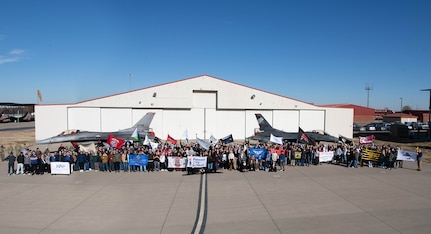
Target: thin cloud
{"points": [[13, 56], [16, 52], [4, 60]]}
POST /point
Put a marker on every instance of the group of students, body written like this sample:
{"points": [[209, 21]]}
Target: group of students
{"points": [[232, 156], [27, 163]]}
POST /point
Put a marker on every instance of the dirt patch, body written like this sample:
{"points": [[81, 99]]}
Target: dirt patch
{"points": [[17, 137]]}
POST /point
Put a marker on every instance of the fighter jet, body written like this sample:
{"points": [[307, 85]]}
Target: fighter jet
{"points": [[73, 136], [265, 131]]}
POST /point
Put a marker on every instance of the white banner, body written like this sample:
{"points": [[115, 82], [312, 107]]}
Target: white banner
{"points": [[60, 168], [326, 156], [277, 140], [177, 162], [406, 155], [196, 161]]}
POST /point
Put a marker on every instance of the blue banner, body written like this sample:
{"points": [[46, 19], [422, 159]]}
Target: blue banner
{"points": [[259, 153], [138, 160]]}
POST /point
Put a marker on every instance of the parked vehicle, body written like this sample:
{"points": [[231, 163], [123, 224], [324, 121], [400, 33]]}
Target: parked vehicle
{"points": [[376, 127], [423, 126], [370, 127], [411, 125]]}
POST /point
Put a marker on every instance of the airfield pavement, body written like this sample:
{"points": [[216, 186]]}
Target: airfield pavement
{"points": [[317, 199]]}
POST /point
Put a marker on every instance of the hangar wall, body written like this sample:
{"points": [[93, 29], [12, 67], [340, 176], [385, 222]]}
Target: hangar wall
{"points": [[339, 121], [203, 106]]}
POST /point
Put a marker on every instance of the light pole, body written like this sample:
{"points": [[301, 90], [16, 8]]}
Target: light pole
{"points": [[429, 113], [401, 109], [368, 88]]}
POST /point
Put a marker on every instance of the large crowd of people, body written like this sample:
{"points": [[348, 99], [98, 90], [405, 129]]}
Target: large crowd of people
{"points": [[231, 156]]}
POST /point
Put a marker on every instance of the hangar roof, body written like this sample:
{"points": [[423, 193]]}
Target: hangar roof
{"points": [[178, 94]]}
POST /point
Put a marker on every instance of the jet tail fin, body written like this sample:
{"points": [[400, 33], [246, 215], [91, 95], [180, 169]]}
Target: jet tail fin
{"points": [[263, 124], [27, 117], [144, 123]]}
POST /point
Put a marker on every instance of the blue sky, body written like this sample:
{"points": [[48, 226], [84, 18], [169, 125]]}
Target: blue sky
{"points": [[323, 52]]}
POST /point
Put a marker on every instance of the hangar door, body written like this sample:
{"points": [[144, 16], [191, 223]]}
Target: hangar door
{"points": [[312, 120], [204, 109], [84, 118]]}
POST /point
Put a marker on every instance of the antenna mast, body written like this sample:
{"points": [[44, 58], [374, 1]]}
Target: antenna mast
{"points": [[368, 88]]}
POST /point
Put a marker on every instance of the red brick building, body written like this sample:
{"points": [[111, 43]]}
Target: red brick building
{"points": [[361, 115], [400, 117], [422, 115]]}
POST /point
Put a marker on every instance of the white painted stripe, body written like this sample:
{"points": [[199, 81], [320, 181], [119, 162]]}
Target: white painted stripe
{"points": [[202, 205]]}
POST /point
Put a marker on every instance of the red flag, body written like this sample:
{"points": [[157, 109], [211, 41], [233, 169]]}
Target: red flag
{"points": [[171, 139], [115, 141]]}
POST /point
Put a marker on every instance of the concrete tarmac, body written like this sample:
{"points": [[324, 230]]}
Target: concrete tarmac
{"points": [[316, 199]]}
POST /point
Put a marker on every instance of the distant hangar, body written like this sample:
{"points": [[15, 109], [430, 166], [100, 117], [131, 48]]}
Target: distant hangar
{"points": [[202, 105]]}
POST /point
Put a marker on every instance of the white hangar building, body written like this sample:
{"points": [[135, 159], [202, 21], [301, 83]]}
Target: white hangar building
{"points": [[202, 105]]}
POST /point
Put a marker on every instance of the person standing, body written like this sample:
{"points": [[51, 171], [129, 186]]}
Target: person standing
{"points": [[80, 158], [117, 161], [124, 161], [41, 164], [34, 162], [282, 156], [231, 158], [419, 158], [47, 158], [11, 163], [104, 161], [27, 163], [156, 158], [20, 161], [274, 159]]}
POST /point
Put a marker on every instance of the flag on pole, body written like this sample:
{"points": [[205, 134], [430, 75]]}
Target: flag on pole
{"points": [[367, 139], [227, 139], [115, 142], [39, 95], [277, 140], [154, 145], [204, 144], [171, 140], [136, 136], [304, 138], [345, 140], [186, 136], [213, 140], [146, 140]]}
